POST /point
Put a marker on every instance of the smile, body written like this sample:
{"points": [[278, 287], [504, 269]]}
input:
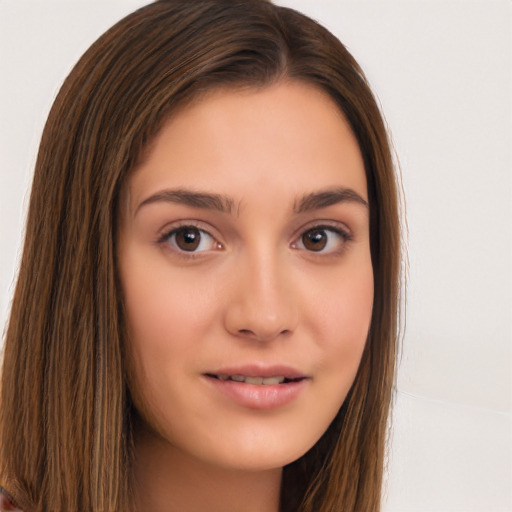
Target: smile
{"points": [[256, 387], [258, 381]]}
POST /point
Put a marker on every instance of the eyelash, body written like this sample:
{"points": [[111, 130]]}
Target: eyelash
{"points": [[344, 235], [165, 239]]}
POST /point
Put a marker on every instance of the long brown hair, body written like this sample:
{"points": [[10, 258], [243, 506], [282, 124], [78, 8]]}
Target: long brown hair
{"points": [[65, 415]]}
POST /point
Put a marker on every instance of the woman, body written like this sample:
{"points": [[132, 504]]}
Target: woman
{"points": [[205, 315]]}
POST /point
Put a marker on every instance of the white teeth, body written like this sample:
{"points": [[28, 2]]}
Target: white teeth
{"points": [[273, 380], [258, 381], [254, 380]]}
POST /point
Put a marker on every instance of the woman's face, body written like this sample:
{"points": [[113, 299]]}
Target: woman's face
{"points": [[245, 266]]}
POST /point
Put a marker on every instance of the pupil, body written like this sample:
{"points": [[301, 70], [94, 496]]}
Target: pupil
{"points": [[315, 240], [188, 239]]}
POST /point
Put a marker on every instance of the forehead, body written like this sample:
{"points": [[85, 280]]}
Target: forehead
{"points": [[283, 139]]}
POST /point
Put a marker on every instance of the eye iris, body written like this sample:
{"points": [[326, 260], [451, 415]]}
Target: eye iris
{"points": [[314, 240], [187, 239]]}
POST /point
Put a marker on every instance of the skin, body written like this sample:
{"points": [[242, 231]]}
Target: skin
{"points": [[254, 291]]}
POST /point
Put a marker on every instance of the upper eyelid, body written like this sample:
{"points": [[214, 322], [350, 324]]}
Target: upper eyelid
{"points": [[326, 224], [344, 233], [168, 229]]}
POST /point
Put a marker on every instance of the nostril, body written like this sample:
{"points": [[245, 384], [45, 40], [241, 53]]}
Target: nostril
{"points": [[263, 335]]}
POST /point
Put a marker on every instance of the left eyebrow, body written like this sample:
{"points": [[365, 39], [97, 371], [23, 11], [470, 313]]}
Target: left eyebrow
{"points": [[325, 198]]}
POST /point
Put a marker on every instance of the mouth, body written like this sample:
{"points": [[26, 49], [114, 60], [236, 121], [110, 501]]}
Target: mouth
{"points": [[255, 380], [258, 386]]}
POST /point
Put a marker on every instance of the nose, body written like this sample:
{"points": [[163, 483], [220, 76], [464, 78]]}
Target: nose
{"points": [[263, 304]]}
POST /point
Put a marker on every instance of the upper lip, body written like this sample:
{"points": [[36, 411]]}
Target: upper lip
{"points": [[260, 370]]}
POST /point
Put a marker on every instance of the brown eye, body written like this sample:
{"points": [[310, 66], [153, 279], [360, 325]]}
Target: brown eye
{"points": [[190, 239], [315, 239], [323, 239]]}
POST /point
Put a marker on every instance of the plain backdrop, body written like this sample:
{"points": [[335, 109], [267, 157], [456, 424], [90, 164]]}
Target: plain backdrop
{"points": [[442, 72]]}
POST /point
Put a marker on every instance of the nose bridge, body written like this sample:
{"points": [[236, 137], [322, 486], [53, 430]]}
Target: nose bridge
{"points": [[263, 305]]}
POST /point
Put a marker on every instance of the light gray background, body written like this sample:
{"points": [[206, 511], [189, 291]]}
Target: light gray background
{"points": [[442, 72]]}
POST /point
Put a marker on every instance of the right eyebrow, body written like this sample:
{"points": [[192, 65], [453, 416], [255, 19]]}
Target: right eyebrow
{"points": [[203, 200]]}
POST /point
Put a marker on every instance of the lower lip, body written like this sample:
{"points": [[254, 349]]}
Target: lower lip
{"points": [[255, 396]]}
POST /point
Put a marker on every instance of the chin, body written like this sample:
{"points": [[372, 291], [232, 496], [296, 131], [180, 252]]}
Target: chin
{"points": [[258, 449]]}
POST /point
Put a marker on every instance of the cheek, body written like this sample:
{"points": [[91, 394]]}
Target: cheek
{"points": [[165, 306], [342, 307], [343, 314], [167, 319]]}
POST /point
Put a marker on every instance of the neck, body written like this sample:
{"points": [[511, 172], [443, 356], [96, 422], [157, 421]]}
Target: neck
{"points": [[169, 480]]}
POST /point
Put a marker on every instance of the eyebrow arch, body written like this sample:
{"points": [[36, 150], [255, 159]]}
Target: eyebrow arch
{"points": [[202, 200], [325, 198]]}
